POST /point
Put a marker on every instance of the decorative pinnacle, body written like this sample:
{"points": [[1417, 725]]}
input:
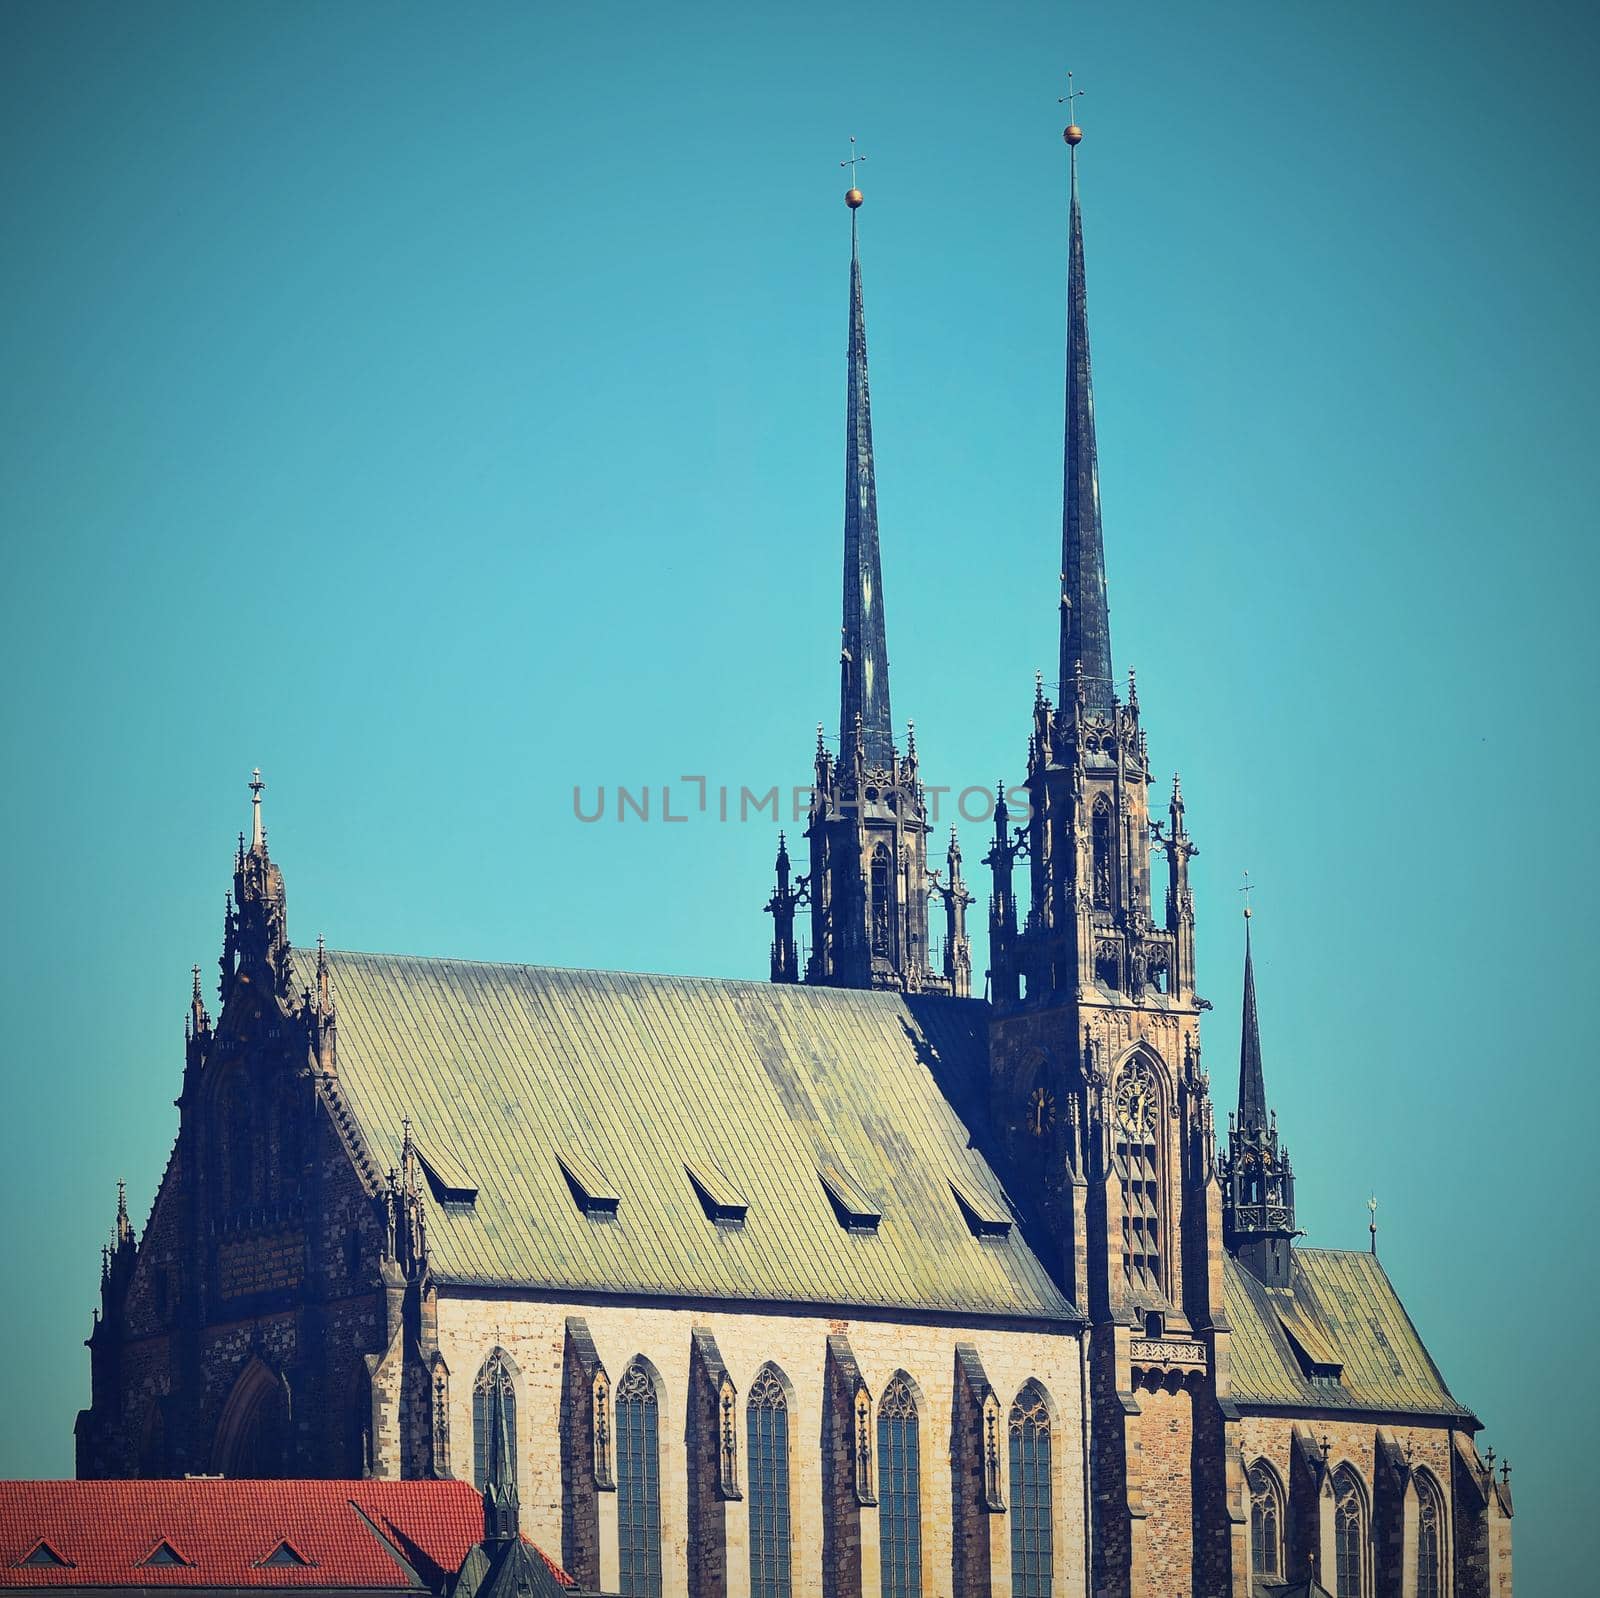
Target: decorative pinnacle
{"points": [[853, 195], [258, 838], [196, 970], [1072, 133]]}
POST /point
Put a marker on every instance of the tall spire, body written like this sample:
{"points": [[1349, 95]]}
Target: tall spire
{"points": [[1085, 619], [1252, 1087], [863, 660]]}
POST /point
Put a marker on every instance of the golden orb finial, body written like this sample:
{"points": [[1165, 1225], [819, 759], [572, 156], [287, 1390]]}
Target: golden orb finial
{"points": [[852, 196], [1072, 133]]}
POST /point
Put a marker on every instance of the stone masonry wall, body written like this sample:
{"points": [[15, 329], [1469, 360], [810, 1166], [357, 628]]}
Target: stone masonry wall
{"points": [[534, 1334]]}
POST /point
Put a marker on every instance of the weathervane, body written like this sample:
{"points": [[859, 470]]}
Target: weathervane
{"points": [[1372, 1224], [1246, 891], [852, 196]]}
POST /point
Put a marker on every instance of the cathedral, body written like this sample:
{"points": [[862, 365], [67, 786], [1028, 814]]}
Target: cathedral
{"points": [[848, 1282]]}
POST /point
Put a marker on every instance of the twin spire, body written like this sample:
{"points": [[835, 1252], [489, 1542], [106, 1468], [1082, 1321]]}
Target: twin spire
{"points": [[863, 658], [1085, 615]]}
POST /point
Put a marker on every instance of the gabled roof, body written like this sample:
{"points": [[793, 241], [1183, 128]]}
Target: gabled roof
{"points": [[404, 1535], [1344, 1313], [519, 1074]]}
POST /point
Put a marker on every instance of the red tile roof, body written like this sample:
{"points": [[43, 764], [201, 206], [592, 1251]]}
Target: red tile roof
{"points": [[226, 1532]]}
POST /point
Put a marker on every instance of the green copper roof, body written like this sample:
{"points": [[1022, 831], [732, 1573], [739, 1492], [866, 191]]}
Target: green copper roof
{"points": [[561, 1116], [1341, 1307]]}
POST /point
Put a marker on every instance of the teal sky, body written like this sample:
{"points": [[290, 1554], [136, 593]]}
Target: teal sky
{"points": [[441, 407]]}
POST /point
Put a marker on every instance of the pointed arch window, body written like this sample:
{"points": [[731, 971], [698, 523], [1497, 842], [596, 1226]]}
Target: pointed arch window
{"points": [[1266, 1520], [1349, 1534], [881, 912], [1430, 1538], [771, 1566], [900, 1489], [496, 1373], [638, 1426], [1136, 1122], [1102, 843], [1032, 1546], [253, 1432]]}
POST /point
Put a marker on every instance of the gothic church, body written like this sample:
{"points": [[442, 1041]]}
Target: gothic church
{"points": [[845, 1283]]}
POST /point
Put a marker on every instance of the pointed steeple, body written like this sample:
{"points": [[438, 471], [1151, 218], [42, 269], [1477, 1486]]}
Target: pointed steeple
{"points": [[1256, 1173], [863, 659], [1085, 617], [1252, 1086], [501, 1509]]}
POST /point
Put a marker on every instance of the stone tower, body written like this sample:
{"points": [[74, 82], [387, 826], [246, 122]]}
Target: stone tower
{"points": [[1096, 1083], [869, 884]]}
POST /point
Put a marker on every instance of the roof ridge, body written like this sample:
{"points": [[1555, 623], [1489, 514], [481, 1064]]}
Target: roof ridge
{"points": [[761, 984]]}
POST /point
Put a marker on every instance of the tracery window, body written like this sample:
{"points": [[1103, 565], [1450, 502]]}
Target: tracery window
{"points": [[1032, 1546], [1430, 1538], [771, 1573], [1349, 1534], [900, 1489], [638, 1482], [1100, 842], [494, 1373], [1135, 1126], [1266, 1520], [880, 901]]}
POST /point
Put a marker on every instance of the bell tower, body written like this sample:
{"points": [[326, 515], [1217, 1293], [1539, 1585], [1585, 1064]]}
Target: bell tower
{"points": [[869, 884], [1097, 1089]]}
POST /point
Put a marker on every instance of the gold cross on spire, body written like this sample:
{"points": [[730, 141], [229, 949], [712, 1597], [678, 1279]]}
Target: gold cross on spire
{"points": [[852, 196], [1072, 133]]}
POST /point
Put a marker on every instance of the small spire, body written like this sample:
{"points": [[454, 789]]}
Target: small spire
{"points": [[1252, 1087], [501, 1510], [258, 836], [1372, 1224], [124, 1231], [196, 970]]}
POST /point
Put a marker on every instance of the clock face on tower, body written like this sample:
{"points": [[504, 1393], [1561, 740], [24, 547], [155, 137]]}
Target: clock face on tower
{"points": [[1041, 1114], [1135, 1107]]}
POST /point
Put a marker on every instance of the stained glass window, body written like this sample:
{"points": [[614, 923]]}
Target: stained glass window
{"points": [[1266, 1520], [900, 1490], [1032, 1550], [1350, 1533], [494, 1372], [638, 1482], [1430, 1538], [768, 1469]]}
